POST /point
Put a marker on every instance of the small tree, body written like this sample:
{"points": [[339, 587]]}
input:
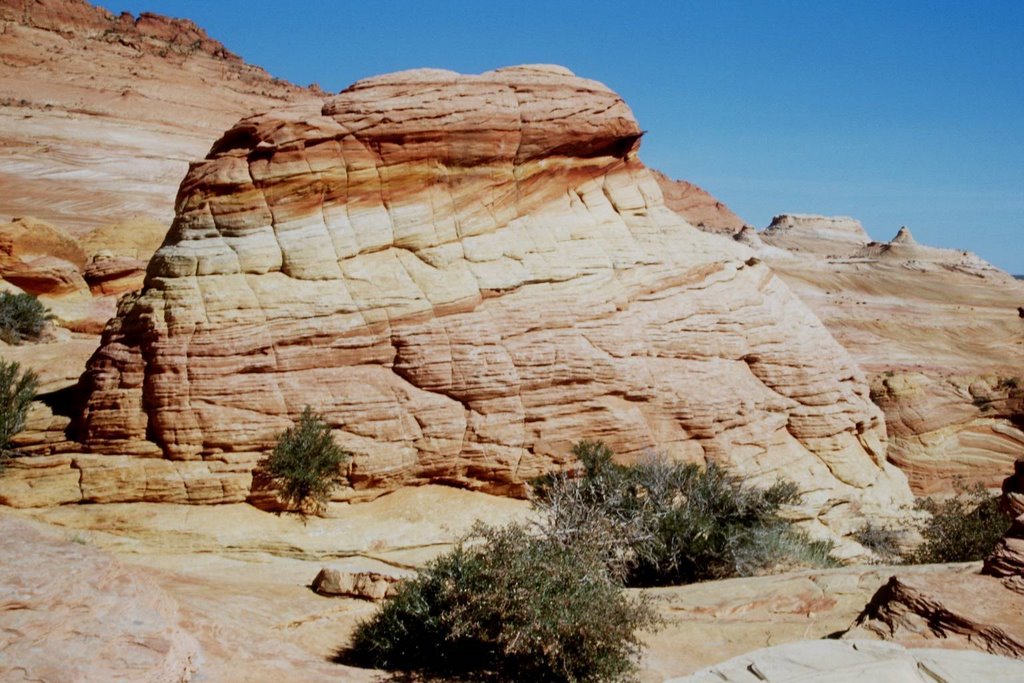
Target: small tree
{"points": [[306, 463], [22, 317], [508, 606], [17, 391]]}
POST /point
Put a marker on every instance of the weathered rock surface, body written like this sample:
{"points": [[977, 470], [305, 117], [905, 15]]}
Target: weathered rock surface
{"points": [[100, 114], [697, 206], [69, 612], [241, 580], [465, 275], [830, 661], [970, 611], [936, 328], [110, 275]]}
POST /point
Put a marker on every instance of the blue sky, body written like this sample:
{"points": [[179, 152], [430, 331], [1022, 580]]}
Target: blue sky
{"points": [[896, 113]]}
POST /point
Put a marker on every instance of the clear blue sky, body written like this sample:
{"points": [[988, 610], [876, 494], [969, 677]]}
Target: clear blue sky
{"points": [[896, 113]]}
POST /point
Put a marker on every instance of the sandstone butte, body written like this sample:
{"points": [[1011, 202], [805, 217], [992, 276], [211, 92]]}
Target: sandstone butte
{"points": [[464, 275]]}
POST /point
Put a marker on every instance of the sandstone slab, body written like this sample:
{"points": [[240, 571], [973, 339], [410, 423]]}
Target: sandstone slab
{"points": [[72, 613], [829, 661]]}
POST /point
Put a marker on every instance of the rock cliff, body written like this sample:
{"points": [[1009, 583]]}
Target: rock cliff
{"points": [[466, 274]]}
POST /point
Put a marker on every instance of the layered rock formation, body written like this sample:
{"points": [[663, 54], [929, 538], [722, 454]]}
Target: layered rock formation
{"points": [[100, 114], [465, 275], [936, 328]]}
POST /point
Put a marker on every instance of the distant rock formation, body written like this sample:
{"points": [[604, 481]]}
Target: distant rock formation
{"points": [[465, 275], [697, 206], [821, 235], [938, 329]]}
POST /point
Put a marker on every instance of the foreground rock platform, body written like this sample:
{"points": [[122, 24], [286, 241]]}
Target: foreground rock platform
{"points": [[69, 612], [465, 275], [827, 661]]}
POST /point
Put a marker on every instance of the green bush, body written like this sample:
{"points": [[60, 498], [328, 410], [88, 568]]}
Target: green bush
{"points": [[17, 391], [663, 523], [306, 463], [506, 605], [963, 528], [22, 317]]}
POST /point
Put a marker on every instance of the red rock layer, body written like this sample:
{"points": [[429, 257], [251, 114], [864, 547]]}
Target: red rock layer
{"points": [[697, 206]]}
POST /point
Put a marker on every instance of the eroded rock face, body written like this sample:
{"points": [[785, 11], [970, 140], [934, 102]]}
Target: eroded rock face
{"points": [[465, 275], [968, 611]]}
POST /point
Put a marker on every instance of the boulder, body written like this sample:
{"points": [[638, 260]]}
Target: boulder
{"points": [[351, 582]]}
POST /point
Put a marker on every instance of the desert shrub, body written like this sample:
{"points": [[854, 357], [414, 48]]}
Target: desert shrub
{"points": [[665, 523], [507, 605], [22, 317], [17, 390], [963, 528], [306, 463], [885, 542]]}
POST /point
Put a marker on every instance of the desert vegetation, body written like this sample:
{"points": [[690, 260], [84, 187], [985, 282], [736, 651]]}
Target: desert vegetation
{"points": [[547, 602], [17, 390], [306, 463], [962, 528], [508, 605], [666, 523], [22, 317]]}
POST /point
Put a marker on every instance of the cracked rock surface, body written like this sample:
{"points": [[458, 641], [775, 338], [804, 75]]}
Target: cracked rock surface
{"points": [[465, 275]]}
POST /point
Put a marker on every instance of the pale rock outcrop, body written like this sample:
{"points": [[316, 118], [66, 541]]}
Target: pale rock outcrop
{"points": [[821, 235], [465, 275], [830, 661], [73, 613]]}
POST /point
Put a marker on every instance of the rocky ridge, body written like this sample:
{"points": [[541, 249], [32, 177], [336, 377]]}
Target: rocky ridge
{"points": [[936, 329], [465, 275]]}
